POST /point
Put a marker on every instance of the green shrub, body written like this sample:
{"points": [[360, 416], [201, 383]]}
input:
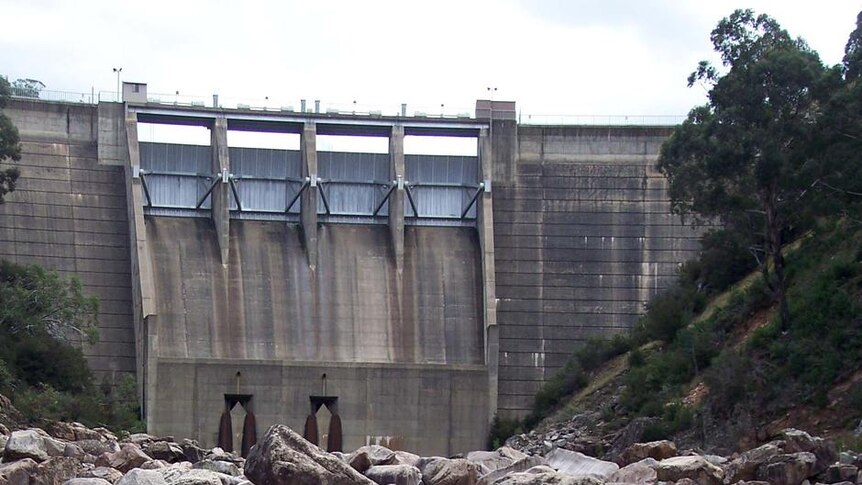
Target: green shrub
{"points": [[46, 361], [670, 311], [675, 417], [636, 358], [501, 430], [725, 258]]}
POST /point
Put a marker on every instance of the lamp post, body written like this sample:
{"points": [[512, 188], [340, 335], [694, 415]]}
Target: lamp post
{"points": [[118, 70]]}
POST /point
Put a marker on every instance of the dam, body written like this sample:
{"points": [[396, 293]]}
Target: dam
{"points": [[366, 297]]}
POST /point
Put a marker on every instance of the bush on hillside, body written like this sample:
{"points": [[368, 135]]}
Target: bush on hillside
{"points": [[44, 318]]}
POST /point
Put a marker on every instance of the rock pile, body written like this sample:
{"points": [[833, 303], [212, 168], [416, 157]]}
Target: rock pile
{"points": [[72, 454]]}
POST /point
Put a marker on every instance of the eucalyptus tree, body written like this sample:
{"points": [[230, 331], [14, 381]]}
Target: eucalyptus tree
{"points": [[747, 155]]}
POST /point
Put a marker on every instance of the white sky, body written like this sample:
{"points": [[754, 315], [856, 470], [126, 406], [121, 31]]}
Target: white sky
{"points": [[551, 56]]}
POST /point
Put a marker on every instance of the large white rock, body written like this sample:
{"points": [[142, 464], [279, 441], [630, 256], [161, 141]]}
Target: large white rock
{"points": [[791, 468], [283, 457], [494, 460], [579, 464], [547, 478], [642, 471], [183, 476], [32, 443], [691, 467], [394, 474], [87, 481], [448, 471], [519, 466], [136, 476]]}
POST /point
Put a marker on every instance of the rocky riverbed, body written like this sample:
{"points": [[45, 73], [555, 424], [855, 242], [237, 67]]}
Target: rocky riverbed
{"points": [[72, 454]]}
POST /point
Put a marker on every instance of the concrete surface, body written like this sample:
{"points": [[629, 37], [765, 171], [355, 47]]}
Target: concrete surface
{"points": [[583, 239], [69, 214]]}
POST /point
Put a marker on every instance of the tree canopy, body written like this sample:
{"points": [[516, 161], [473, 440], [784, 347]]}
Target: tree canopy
{"points": [[10, 148], [747, 157]]}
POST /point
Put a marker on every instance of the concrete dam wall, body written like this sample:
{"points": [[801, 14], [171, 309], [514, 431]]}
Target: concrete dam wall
{"points": [[267, 303], [68, 213], [414, 296], [583, 239], [401, 353]]}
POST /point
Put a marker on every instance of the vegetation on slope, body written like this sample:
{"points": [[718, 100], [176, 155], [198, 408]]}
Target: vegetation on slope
{"points": [[45, 319]]}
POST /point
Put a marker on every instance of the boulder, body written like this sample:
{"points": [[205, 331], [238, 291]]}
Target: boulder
{"points": [[183, 476], [791, 468], [446, 471], [32, 443], [142, 477], [105, 473], [579, 464], [283, 457], [800, 441], [839, 472], [97, 446], [141, 439], [192, 451], [130, 456], [744, 466], [84, 433], [73, 431], [547, 477], [154, 465], [493, 460], [224, 467], [72, 450], [394, 474], [519, 466], [87, 481], [359, 461], [658, 450], [61, 430], [218, 454], [692, 467], [642, 471], [18, 472], [404, 458], [377, 455], [55, 470], [106, 434], [164, 450]]}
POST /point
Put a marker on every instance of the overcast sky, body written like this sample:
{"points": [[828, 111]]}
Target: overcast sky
{"points": [[551, 56]]}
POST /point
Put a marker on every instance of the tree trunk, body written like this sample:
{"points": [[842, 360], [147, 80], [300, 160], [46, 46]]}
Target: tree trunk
{"points": [[774, 245], [781, 289]]}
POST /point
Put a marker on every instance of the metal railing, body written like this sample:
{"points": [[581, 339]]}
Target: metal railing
{"points": [[613, 120], [350, 108]]}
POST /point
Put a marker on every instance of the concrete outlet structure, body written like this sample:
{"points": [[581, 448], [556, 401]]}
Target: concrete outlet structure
{"points": [[416, 295]]}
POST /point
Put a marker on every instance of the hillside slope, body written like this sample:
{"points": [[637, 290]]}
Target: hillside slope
{"points": [[727, 377]]}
